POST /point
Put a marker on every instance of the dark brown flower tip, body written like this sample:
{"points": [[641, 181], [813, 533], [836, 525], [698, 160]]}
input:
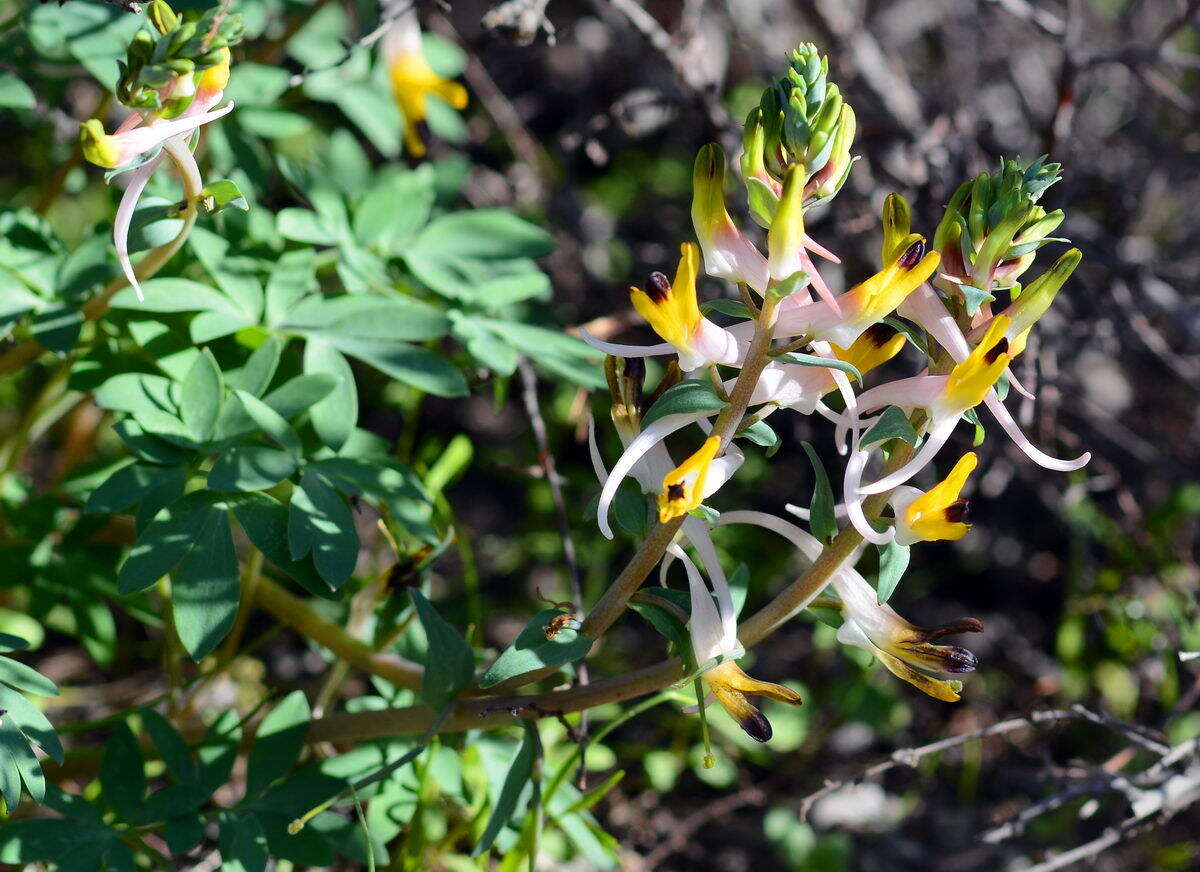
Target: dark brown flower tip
{"points": [[956, 659], [757, 726], [658, 287], [635, 369], [993, 353], [880, 334], [954, 628], [913, 254], [958, 512], [675, 492]]}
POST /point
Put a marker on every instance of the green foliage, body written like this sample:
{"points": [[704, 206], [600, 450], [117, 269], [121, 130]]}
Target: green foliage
{"points": [[542, 644]]}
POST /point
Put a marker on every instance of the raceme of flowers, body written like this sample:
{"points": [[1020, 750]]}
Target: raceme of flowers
{"points": [[942, 299], [173, 80]]}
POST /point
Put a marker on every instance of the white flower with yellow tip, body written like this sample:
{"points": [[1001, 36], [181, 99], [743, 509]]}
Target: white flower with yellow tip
{"points": [[414, 81]]}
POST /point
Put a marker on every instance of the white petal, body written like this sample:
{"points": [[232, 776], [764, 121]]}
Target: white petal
{"points": [[708, 634], [937, 437], [594, 451], [647, 439], [125, 212], [926, 308], [1006, 422], [696, 531], [854, 500], [619, 350]]}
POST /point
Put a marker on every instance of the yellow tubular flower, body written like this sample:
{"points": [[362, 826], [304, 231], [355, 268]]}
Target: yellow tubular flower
{"points": [[216, 77], [730, 685], [671, 309], [879, 295], [683, 487], [970, 380], [413, 80], [878, 344], [911, 656], [938, 513]]}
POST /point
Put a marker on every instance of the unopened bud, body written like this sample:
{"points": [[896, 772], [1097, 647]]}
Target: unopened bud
{"points": [[162, 16]]}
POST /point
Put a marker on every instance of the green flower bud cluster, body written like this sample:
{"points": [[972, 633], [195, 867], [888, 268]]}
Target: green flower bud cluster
{"points": [[992, 227], [802, 121], [173, 47]]}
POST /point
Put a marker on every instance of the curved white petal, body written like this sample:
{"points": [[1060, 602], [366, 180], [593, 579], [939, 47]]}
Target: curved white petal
{"points": [[645, 440], [594, 452], [1006, 422], [124, 218], [926, 308], [177, 149], [696, 531], [938, 434], [854, 501], [708, 634], [620, 350], [1019, 388]]}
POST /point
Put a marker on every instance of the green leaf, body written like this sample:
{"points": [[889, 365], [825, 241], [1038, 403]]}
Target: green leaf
{"points": [[392, 211], [257, 84], [28, 718], [26, 678], [278, 742], [409, 364], [221, 194], [320, 522], [335, 416], [825, 362], [821, 519], [177, 295], [686, 398], [200, 396], [974, 297], [165, 541], [449, 662], [374, 112], [514, 788], [15, 94], [760, 433], [205, 589], [912, 334], [367, 317], [297, 395], [256, 375], [170, 745], [892, 424], [243, 844], [251, 468], [732, 308], [533, 650], [292, 277], [183, 833], [271, 423], [265, 521], [122, 776], [150, 486], [303, 225], [893, 560]]}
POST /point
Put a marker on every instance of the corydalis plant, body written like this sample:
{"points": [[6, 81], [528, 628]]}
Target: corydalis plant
{"points": [[173, 78], [799, 347]]}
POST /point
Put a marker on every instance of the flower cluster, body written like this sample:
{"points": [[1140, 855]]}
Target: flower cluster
{"points": [[173, 78], [800, 345]]}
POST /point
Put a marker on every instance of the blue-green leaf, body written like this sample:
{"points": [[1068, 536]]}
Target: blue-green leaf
{"points": [[537, 648], [449, 662]]}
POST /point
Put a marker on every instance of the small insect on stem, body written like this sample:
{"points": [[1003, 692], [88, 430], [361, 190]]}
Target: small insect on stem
{"points": [[559, 622]]}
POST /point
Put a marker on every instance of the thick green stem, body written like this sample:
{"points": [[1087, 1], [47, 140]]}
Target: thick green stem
{"points": [[293, 611]]}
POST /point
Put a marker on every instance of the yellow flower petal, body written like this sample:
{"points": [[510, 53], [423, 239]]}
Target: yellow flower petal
{"points": [[970, 380], [939, 513], [683, 487]]}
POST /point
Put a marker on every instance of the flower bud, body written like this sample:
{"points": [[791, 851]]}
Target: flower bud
{"points": [[162, 16], [991, 229], [801, 120]]}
